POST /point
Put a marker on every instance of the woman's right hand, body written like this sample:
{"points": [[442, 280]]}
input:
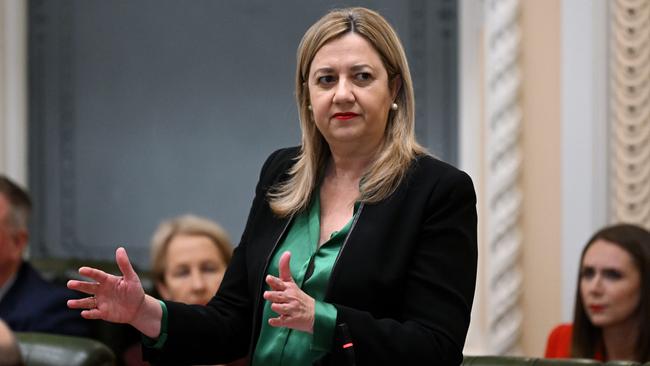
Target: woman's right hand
{"points": [[118, 299]]}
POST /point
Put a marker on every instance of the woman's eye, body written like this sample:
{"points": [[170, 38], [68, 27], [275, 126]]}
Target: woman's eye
{"points": [[587, 273], [363, 76], [209, 268], [326, 79], [180, 272], [612, 274]]}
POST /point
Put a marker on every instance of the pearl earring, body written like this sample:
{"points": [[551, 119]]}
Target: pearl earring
{"points": [[309, 107], [394, 106]]}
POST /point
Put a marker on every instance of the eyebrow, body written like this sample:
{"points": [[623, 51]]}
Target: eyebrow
{"points": [[596, 268], [356, 67]]}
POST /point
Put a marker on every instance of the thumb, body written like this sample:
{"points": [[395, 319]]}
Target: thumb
{"points": [[285, 268], [124, 264]]}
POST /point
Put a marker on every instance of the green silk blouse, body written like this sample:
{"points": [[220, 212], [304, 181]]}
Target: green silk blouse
{"points": [[278, 346]]}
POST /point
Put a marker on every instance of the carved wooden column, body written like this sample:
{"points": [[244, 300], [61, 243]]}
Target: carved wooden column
{"points": [[630, 118], [503, 166]]}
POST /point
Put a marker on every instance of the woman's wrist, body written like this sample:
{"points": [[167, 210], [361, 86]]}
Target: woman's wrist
{"points": [[149, 317]]}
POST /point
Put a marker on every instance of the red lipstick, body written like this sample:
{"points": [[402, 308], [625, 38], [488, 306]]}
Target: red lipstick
{"points": [[345, 116], [596, 308]]}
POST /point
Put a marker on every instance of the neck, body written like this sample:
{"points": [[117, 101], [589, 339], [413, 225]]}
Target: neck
{"points": [[348, 168], [617, 340], [350, 163]]}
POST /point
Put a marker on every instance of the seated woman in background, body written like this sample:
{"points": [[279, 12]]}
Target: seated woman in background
{"points": [[189, 255], [612, 309]]}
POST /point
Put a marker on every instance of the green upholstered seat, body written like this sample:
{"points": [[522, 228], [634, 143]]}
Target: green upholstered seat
{"points": [[40, 349], [497, 361], [566, 362], [528, 361]]}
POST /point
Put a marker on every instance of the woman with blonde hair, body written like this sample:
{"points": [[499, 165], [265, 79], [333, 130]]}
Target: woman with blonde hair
{"points": [[360, 248], [189, 255]]}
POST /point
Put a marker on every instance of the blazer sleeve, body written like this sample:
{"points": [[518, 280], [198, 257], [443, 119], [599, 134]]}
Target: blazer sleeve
{"points": [[431, 325], [221, 331]]}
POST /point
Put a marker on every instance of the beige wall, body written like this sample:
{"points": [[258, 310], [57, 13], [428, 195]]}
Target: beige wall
{"points": [[541, 175]]}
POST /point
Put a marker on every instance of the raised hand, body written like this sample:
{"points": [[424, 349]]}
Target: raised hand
{"points": [[295, 307], [118, 299]]}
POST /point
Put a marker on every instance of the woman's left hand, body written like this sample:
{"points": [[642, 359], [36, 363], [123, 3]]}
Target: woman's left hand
{"points": [[295, 307]]}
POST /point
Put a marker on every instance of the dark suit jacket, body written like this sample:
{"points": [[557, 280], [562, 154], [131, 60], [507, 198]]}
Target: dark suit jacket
{"points": [[403, 283], [35, 305]]}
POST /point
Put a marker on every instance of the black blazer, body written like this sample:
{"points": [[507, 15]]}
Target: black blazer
{"points": [[403, 283], [34, 305]]}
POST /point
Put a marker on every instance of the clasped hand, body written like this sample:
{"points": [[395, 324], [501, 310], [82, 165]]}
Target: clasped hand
{"points": [[295, 308]]}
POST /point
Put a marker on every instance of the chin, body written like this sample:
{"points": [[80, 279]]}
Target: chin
{"points": [[601, 321]]}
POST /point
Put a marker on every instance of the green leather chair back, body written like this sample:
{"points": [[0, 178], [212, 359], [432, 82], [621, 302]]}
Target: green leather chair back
{"points": [[566, 362], [528, 361], [40, 349], [496, 361]]}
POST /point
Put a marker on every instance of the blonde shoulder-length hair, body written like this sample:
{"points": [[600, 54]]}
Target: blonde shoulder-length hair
{"points": [[185, 225], [399, 146]]}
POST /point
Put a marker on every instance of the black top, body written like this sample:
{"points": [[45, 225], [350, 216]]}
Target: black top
{"points": [[34, 305], [403, 284]]}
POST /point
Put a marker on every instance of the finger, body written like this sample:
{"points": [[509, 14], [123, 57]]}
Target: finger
{"points": [[275, 283], [85, 303], [91, 314], [75, 304], [95, 274], [281, 309], [285, 268], [89, 302], [89, 288], [275, 296], [277, 322], [126, 268]]}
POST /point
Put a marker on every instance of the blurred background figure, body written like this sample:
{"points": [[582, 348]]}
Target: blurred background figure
{"points": [[28, 303], [9, 350], [612, 308], [189, 255]]}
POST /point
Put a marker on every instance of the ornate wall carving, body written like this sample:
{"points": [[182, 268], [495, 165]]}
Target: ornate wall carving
{"points": [[630, 116], [503, 169]]}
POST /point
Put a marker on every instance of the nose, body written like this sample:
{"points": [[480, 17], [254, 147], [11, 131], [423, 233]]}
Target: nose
{"points": [[343, 93], [595, 285], [198, 283]]}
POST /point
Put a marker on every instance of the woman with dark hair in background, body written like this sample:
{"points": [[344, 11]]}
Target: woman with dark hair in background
{"points": [[360, 248], [612, 309]]}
